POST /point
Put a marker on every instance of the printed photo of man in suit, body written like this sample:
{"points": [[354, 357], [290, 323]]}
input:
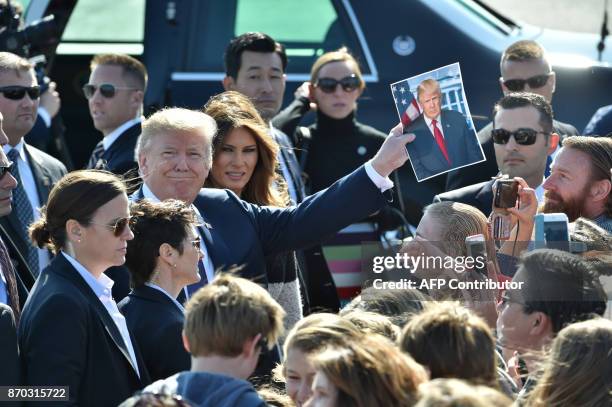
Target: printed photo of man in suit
{"points": [[443, 139]]}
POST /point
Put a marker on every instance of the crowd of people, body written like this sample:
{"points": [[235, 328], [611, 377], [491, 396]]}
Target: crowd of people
{"points": [[186, 265]]}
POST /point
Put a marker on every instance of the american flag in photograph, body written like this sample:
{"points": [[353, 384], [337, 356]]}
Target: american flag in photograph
{"points": [[407, 106]]}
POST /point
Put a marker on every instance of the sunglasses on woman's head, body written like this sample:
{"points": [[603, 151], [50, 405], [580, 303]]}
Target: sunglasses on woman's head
{"points": [[19, 92], [524, 137], [535, 82], [107, 90], [348, 83], [118, 227]]}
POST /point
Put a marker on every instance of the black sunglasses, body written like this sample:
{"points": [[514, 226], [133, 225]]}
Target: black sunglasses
{"points": [[106, 89], [196, 243], [18, 92], [517, 85], [348, 83], [524, 137], [118, 227], [6, 168]]}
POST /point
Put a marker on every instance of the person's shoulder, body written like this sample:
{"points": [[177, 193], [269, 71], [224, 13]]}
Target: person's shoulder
{"points": [[469, 190], [45, 159], [370, 132], [564, 129], [448, 114]]}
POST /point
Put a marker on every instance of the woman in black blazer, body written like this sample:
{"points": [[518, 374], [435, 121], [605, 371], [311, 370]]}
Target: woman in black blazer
{"points": [[71, 332], [163, 259]]}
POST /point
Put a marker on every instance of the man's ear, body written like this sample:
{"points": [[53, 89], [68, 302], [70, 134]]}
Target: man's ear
{"points": [[185, 341], [553, 142], [600, 190], [553, 78], [502, 86], [249, 347], [228, 83], [541, 325]]}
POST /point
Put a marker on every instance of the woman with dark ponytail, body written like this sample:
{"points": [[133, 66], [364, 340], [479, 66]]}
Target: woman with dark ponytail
{"points": [[71, 332]]}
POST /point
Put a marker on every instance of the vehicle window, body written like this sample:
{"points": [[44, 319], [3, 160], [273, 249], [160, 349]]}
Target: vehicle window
{"points": [[104, 21], [306, 28]]}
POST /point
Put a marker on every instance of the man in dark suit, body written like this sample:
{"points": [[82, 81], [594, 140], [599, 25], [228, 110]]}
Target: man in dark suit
{"points": [[175, 155], [35, 171], [10, 374], [255, 66], [524, 137], [115, 93], [443, 139], [524, 66]]}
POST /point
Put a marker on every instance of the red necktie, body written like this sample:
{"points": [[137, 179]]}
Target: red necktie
{"points": [[440, 139]]}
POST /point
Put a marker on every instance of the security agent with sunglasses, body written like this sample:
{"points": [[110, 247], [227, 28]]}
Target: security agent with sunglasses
{"points": [[443, 139], [523, 138], [524, 67], [35, 171], [71, 332], [162, 259], [115, 93]]}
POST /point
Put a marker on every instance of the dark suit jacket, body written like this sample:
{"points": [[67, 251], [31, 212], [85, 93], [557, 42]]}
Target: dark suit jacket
{"points": [[288, 155], [461, 144], [156, 324], [479, 195], [119, 158], [24, 276], [47, 171], [485, 170], [68, 338], [244, 234], [10, 374]]}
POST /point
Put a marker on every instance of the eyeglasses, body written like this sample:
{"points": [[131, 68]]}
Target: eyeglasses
{"points": [[517, 85], [348, 83], [107, 90], [18, 92], [196, 243], [6, 168], [524, 137], [118, 227]]}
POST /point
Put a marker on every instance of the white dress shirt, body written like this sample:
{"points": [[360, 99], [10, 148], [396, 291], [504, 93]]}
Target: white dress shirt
{"points": [[102, 288], [430, 125], [291, 187], [29, 186], [3, 289], [111, 137]]}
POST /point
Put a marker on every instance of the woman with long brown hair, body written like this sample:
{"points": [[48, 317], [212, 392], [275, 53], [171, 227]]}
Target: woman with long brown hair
{"points": [[245, 161], [578, 370]]}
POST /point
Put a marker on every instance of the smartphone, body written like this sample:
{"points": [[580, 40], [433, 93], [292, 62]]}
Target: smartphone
{"points": [[552, 231], [506, 193], [477, 250]]}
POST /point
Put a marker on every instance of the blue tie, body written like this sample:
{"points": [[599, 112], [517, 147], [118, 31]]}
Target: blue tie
{"points": [[25, 213]]}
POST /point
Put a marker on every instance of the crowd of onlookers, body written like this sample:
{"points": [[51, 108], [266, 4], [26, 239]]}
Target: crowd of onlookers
{"points": [[186, 265]]}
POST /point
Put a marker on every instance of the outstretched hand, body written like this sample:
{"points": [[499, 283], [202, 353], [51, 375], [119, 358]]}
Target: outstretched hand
{"points": [[392, 154]]}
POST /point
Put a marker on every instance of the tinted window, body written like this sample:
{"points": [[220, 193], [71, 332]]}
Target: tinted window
{"points": [[306, 28]]}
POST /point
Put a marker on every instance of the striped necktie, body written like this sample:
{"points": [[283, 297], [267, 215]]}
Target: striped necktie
{"points": [[95, 156], [25, 213], [6, 268]]}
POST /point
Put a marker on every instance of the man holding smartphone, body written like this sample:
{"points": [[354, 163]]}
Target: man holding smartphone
{"points": [[523, 138]]}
